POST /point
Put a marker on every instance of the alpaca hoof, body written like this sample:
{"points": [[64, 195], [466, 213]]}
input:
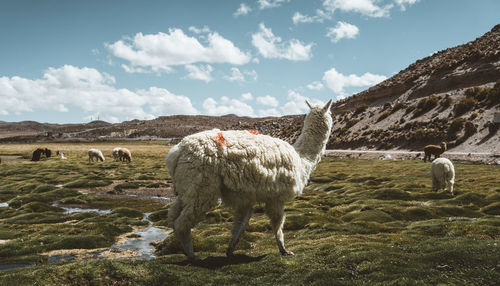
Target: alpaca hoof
{"points": [[287, 252]]}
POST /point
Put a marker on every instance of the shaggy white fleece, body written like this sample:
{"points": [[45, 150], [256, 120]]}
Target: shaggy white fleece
{"points": [[115, 153], [242, 168], [442, 174], [97, 154]]}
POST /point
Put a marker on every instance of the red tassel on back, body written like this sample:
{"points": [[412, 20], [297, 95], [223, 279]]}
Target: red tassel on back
{"points": [[220, 139]]}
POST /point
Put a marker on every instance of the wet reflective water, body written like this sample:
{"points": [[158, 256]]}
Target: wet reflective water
{"points": [[142, 244]]}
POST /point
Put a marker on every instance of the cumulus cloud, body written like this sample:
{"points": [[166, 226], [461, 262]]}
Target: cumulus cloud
{"points": [[68, 87], [370, 8], [320, 16], [204, 30], [271, 46], [162, 51], [402, 3], [236, 75], [341, 31], [246, 96], [315, 85], [364, 7], [297, 103], [202, 72], [266, 4], [242, 10], [337, 82], [226, 106], [267, 100]]}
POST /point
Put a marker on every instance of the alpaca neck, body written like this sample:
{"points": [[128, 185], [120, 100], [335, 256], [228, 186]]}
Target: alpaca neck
{"points": [[310, 146]]}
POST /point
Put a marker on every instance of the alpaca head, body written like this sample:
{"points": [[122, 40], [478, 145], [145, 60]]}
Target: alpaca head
{"points": [[319, 118], [443, 146]]}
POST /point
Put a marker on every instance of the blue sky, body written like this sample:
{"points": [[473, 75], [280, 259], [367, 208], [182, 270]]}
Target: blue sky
{"points": [[76, 61]]}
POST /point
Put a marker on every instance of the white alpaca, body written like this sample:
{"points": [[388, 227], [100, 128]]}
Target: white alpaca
{"points": [[115, 153], [442, 173], [97, 154], [243, 168]]}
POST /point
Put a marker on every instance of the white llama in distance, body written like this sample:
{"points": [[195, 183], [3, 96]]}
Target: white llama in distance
{"points": [[243, 168]]}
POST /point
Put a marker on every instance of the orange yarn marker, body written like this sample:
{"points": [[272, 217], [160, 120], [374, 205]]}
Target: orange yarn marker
{"points": [[220, 139]]}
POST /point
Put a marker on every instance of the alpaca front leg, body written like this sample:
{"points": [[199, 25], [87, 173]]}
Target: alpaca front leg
{"points": [[277, 216], [241, 218]]}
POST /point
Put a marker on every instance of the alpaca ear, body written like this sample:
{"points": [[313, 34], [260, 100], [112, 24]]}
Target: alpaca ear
{"points": [[308, 104], [327, 106]]}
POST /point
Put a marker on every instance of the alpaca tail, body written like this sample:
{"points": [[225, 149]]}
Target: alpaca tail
{"points": [[172, 158]]}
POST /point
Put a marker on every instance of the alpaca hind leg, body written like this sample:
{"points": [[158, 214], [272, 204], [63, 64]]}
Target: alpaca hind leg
{"points": [[241, 217], [194, 205], [276, 214]]}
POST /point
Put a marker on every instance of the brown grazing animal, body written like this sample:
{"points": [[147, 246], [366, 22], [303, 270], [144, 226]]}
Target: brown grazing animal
{"points": [[434, 150], [124, 154], [38, 152]]}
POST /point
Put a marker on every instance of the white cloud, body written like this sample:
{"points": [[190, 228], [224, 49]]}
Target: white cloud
{"points": [[161, 51], [297, 103], [242, 10], [402, 3], [236, 75], [337, 82], [204, 30], [363, 7], [341, 31], [246, 96], [226, 106], [315, 85], [271, 46], [267, 100], [251, 73], [320, 16], [201, 72], [87, 89], [163, 102], [130, 69], [266, 4]]}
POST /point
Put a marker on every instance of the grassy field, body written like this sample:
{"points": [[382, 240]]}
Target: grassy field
{"points": [[359, 222]]}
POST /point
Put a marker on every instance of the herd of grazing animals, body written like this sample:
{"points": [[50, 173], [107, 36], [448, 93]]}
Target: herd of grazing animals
{"points": [[243, 168]]}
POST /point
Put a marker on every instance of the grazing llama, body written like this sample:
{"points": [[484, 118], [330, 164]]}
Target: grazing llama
{"points": [[115, 153], [434, 150], [243, 168], [442, 174], [124, 155], [97, 154]]}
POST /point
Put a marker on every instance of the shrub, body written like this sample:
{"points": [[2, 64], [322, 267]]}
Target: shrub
{"points": [[445, 102], [464, 105], [410, 109], [361, 108], [492, 127], [426, 104], [351, 123], [399, 105], [456, 125], [383, 116], [473, 116], [470, 129]]}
